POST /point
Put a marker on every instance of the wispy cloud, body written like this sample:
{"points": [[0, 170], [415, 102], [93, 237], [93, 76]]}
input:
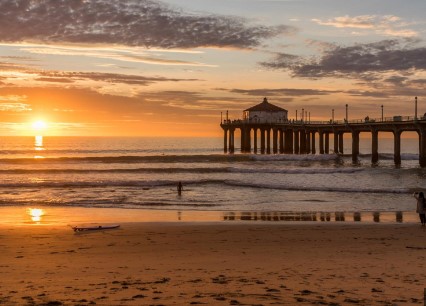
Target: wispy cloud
{"points": [[146, 23], [190, 100], [10, 66], [130, 54], [16, 75], [292, 92], [388, 25], [14, 103], [57, 76]]}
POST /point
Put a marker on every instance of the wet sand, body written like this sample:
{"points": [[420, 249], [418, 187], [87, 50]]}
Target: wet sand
{"points": [[214, 263]]}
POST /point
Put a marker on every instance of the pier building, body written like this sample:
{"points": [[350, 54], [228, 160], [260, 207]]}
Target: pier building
{"points": [[279, 135], [265, 113]]}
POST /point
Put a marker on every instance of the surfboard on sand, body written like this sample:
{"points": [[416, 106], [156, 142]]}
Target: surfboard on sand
{"points": [[94, 227]]}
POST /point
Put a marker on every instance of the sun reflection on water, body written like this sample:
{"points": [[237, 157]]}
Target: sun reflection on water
{"points": [[36, 214], [38, 145]]}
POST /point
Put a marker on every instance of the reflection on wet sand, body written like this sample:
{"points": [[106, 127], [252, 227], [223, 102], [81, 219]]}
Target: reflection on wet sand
{"points": [[35, 214], [318, 216]]}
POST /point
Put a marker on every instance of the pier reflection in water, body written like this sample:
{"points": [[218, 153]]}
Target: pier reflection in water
{"points": [[384, 217]]}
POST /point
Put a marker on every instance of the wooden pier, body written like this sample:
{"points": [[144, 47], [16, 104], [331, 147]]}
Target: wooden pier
{"points": [[299, 137]]}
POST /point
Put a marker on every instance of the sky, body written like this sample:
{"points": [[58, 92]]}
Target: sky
{"points": [[175, 67]]}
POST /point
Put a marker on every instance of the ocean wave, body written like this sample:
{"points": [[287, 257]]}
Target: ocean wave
{"points": [[199, 170], [388, 156], [145, 185], [200, 158], [299, 170], [131, 159], [294, 157], [322, 188]]}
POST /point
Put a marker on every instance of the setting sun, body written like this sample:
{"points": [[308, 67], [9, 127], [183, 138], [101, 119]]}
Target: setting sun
{"points": [[39, 125]]}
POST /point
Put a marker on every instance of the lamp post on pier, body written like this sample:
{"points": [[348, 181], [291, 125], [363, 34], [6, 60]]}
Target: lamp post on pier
{"points": [[382, 112], [332, 115], [415, 108], [303, 113], [346, 113]]}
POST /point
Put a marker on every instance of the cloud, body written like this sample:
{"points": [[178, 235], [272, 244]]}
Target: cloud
{"points": [[283, 92], [134, 54], [14, 103], [388, 25], [72, 77], [67, 77], [354, 61], [191, 100], [359, 22], [368, 93], [146, 23], [8, 66]]}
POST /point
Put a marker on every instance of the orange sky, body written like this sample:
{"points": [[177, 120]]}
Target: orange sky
{"points": [[121, 68]]}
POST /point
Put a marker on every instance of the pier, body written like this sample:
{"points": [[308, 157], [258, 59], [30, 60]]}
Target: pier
{"points": [[283, 136]]}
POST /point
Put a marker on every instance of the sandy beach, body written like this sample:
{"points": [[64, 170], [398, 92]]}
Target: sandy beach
{"points": [[214, 263]]}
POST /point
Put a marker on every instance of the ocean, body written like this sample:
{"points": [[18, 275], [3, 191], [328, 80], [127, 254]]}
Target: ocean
{"points": [[143, 173]]}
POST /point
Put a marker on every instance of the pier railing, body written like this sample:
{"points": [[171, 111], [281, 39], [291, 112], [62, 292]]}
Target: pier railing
{"points": [[354, 121]]}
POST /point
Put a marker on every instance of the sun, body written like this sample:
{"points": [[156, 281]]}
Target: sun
{"points": [[39, 125]]}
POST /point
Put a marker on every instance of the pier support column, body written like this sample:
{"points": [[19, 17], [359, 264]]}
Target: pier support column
{"points": [[231, 141], [289, 141], [243, 140], [268, 141], [313, 150], [336, 143], [302, 136], [355, 146], [248, 140], [274, 141], [255, 141], [341, 143], [281, 134], [296, 142], [225, 140], [321, 142], [286, 142], [374, 147], [422, 149], [327, 142], [262, 141], [308, 142], [397, 147]]}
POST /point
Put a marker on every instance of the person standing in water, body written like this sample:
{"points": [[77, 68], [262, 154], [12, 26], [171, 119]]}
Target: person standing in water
{"points": [[179, 188], [420, 197]]}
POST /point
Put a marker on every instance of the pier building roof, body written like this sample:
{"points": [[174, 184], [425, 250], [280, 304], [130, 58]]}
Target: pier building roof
{"points": [[265, 106]]}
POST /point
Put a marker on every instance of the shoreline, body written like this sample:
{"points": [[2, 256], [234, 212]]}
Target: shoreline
{"points": [[44, 216]]}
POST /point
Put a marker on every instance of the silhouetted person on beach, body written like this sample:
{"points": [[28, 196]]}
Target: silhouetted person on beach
{"points": [[179, 188], [420, 206]]}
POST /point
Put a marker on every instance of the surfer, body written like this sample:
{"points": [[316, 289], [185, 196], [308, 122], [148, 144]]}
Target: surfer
{"points": [[179, 188]]}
